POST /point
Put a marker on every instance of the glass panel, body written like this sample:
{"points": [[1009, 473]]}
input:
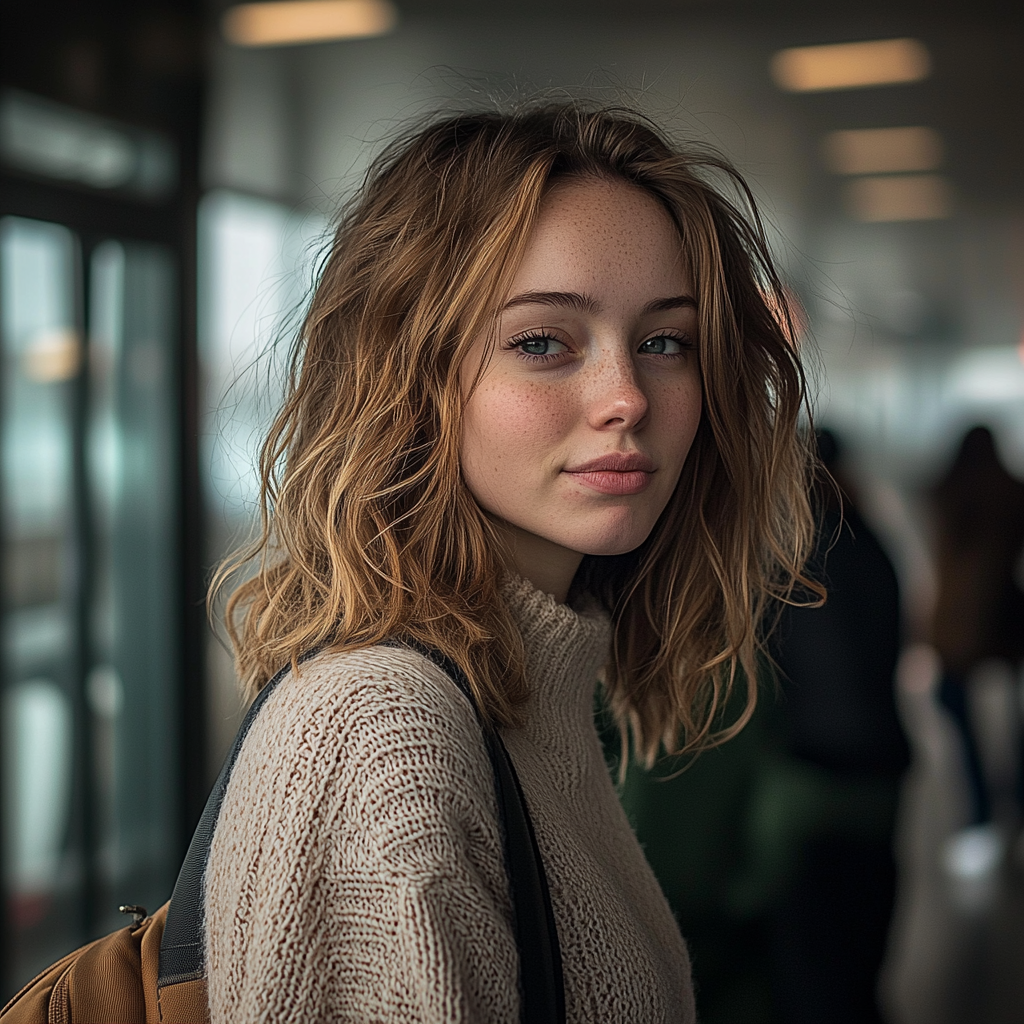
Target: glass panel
{"points": [[255, 258], [255, 265], [41, 354], [43, 137], [132, 467]]}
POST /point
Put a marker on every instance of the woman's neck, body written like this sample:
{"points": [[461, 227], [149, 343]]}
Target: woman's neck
{"points": [[549, 567]]}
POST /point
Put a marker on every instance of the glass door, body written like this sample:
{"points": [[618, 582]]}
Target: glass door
{"points": [[41, 345], [88, 517]]}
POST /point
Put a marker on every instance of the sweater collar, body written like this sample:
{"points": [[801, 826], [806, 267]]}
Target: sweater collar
{"points": [[566, 647]]}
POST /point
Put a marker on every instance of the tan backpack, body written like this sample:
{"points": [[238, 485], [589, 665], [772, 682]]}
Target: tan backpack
{"points": [[113, 980]]}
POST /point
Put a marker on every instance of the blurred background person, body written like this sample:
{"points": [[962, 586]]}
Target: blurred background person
{"points": [[839, 729], [978, 515]]}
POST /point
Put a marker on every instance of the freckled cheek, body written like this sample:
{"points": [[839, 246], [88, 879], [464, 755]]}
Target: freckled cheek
{"points": [[681, 410], [693, 403], [515, 423]]}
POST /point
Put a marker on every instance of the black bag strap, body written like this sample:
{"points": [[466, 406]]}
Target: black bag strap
{"points": [[542, 998], [542, 995], [181, 948]]}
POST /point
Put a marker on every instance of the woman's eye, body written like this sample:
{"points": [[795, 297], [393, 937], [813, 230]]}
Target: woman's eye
{"points": [[540, 345], [666, 345]]}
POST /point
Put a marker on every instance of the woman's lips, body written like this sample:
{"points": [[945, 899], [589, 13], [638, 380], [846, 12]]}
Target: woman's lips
{"points": [[609, 481]]}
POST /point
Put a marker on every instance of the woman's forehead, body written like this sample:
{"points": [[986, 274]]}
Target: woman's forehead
{"points": [[599, 234]]}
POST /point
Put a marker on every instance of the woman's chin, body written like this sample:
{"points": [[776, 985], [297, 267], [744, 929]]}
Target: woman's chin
{"points": [[609, 546]]}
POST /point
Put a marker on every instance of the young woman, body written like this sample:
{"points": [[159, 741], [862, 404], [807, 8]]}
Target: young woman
{"points": [[542, 418]]}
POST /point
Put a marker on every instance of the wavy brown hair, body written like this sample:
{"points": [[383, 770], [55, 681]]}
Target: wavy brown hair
{"points": [[368, 530]]}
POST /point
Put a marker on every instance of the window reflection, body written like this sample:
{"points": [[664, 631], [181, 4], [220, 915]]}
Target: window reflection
{"points": [[37, 745], [40, 352], [132, 469]]}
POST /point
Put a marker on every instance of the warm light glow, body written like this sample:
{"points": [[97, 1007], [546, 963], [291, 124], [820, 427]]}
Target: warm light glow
{"points": [[307, 21], [902, 197], [52, 356], [850, 65], [881, 150]]}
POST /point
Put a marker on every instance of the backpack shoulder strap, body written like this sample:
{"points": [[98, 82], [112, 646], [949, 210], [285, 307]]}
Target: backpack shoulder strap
{"points": [[541, 987], [182, 956]]}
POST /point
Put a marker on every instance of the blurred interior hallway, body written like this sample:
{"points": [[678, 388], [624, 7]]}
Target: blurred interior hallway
{"points": [[918, 324]]}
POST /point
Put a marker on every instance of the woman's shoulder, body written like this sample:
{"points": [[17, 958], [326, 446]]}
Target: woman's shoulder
{"points": [[359, 740], [364, 703], [372, 679]]}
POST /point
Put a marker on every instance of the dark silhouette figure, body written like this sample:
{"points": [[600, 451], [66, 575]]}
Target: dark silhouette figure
{"points": [[978, 511], [837, 717]]}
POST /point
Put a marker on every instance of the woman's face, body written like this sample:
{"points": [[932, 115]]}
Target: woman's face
{"points": [[575, 437]]}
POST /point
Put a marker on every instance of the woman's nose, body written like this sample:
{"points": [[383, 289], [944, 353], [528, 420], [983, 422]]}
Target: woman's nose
{"points": [[617, 397]]}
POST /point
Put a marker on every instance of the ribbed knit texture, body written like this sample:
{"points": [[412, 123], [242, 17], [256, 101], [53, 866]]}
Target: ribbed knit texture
{"points": [[356, 873]]}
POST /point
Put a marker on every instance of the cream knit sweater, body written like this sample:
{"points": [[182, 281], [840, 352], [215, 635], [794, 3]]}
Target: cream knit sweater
{"points": [[356, 873]]}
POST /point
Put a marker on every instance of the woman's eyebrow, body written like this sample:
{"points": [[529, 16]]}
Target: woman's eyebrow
{"points": [[588, 304], [675, 302], [572, 300]]}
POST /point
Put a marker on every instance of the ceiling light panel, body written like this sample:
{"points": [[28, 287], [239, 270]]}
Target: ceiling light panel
{"points": [[307, 21], [899, 198], [882, 150], [851, 65]]}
